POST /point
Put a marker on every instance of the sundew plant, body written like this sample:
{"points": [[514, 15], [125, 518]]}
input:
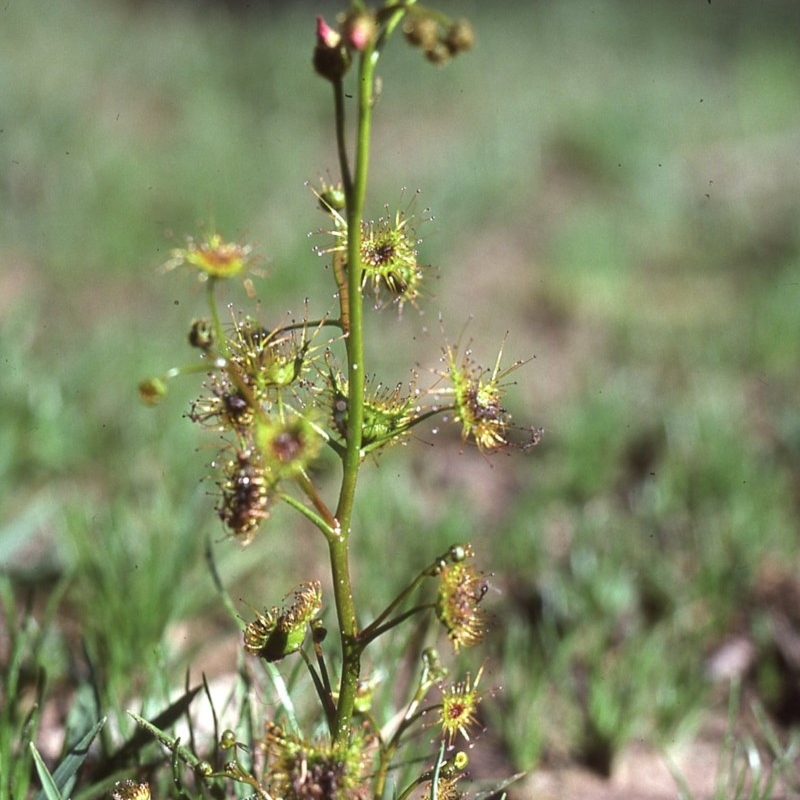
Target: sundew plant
{"points": [[282, 399]]}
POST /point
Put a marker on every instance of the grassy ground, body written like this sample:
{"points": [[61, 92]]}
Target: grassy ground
{"points": [[614, 184]]}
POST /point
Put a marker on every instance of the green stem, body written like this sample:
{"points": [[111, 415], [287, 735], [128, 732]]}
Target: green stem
{"points": [[308, 513], [412, 715], [323, 692], [367, 633], [355, 187], [435, 779], [348, 631], [378, 625], [341, 147], [431, 775], [303, 324], [373, 632], [311, 492], [395, 15], [354, 344], [219, 333]]}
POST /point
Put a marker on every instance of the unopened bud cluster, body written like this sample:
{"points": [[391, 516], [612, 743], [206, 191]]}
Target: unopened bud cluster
{"points": [[359, 30], [439, 38]]}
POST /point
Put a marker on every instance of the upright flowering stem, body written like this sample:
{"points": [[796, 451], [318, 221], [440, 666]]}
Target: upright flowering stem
{"points": [[278, 397], [355, 193], [355, 186], [355, 310]]}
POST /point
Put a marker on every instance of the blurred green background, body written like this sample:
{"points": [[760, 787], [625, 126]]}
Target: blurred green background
{"points": [[615, 184]]}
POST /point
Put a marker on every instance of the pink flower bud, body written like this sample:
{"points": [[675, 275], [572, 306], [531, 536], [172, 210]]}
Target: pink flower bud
{"points": [[327, 36], [359, 30], [331, 59]]}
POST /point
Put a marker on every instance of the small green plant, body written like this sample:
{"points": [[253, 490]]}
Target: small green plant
{"points": [[20, 705], [287, 399], [757, 762]]}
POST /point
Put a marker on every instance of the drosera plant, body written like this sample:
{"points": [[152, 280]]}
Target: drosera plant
{"points": [[287, 398]]}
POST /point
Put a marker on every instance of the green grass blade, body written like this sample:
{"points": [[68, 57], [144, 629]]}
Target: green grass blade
{"points": [[495, 790], [50, 790], [63, 779], [156, 731]]}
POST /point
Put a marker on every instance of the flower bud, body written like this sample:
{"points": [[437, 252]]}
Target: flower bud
{"points": [[318, 631], [359, 30], [438, 54], [421, 30], [332, 198], [151, 390], [331, 59], [460, 552], [327, 36], [365, 693], [201, 334], [227, 740], [460, 36]]}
